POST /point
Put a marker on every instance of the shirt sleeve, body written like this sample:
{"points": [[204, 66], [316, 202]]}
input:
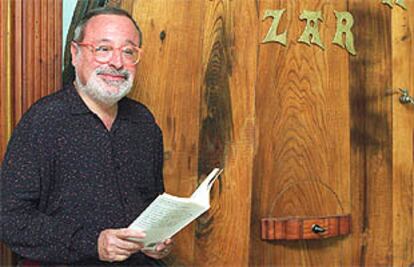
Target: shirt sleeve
{"points": [[25, 174]]}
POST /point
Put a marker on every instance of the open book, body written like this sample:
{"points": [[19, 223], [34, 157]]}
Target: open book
{"points": [[168, 214]]}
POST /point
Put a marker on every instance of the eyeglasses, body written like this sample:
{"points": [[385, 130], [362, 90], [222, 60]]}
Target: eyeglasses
{"points": [[103, 53]]}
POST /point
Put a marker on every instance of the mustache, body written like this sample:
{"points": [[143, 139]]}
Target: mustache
{"points": [[111, 71]]}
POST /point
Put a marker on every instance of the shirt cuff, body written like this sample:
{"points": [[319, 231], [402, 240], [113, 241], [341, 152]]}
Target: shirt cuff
{"points": [[85, 243]]}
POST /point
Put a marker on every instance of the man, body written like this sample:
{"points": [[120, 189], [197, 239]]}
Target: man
{"points": [[84, 162]]}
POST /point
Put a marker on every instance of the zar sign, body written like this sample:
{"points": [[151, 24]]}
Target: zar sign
{"points": [[310, 35]]}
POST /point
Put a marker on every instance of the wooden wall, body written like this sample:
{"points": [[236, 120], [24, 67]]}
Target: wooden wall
{"points": [[371, 136], [302, 160], [5, 77], [33, 59], [382, 133], [5, 80], [197, 87], [30, 49], [300, 130], [403, 138]]}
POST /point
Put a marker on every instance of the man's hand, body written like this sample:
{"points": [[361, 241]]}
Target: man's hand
{"points": [[162, 250], [113, 244]]}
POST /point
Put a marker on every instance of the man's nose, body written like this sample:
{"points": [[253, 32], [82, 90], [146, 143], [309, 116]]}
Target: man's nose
{"points": [[116, 60]]}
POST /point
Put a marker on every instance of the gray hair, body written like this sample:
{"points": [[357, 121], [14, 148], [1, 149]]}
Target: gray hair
{"points": [[79, 33]]}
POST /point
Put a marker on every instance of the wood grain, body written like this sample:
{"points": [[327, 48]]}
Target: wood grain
{"points": [[371, 138], [302, 162], [402, 137], [17, 52], [4, 75], [48, 23], [6, 257], [168, 81], [226, 137], [40, 65], [29, 81], [44, 47], [204, 99]]}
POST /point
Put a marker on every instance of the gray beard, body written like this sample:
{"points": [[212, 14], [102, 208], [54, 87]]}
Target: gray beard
{"points": [[95, 86]]}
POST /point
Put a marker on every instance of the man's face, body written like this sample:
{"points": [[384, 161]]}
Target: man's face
{"points": [[110, 81]]}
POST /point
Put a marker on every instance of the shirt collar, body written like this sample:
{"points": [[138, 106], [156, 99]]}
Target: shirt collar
{"points": [[126, 112], [77, 106]]}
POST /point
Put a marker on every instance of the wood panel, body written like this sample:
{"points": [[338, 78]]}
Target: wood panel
{"points": [[226, 138], [168, 82], [326, 136], [17, 51], [5, 96], [41, 51], [301, 166], [204, 103], [403, 137], [30, 65], [371, 136], [5, 78]]}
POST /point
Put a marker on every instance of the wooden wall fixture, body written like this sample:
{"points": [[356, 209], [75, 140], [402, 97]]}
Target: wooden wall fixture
{"points": [[295, 228]]}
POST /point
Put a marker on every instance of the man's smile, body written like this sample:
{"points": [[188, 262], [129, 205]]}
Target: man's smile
{"points": [[113, 77]]}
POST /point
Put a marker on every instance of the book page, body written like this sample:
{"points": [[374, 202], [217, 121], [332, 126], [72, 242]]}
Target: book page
{"points": [[166, 216], [202, 194]]}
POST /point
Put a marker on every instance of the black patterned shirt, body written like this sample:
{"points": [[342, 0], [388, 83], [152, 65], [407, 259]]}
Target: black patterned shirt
{"points": [[65, 178]]}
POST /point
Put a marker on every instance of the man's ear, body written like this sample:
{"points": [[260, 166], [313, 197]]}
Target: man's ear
{"points": [[74, 51]]}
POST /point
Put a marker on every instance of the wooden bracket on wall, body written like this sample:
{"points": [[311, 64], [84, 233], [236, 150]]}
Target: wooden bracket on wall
{"points": [[303, 228]]}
